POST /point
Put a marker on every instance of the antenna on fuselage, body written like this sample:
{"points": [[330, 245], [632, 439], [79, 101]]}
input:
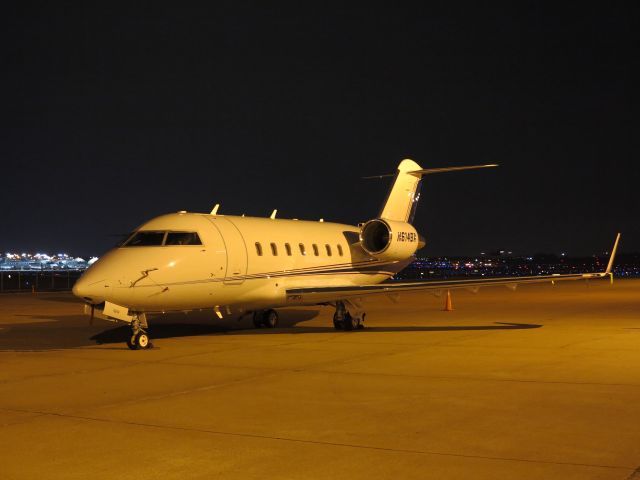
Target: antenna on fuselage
{"points": [[215, 209], [273, 214]]}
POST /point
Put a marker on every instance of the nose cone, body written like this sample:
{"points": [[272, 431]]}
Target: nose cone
{"points": [[80, 289], [92, 285], [88, 291]]}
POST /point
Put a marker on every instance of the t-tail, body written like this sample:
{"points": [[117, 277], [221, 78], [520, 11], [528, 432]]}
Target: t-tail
{"points": [[404, 194]]}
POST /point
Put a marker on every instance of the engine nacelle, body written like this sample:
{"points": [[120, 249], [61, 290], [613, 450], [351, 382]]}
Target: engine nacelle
{"points": [[389, 239]]}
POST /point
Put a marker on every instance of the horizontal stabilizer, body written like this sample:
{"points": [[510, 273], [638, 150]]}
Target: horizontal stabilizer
{"points": [[428, 171]]}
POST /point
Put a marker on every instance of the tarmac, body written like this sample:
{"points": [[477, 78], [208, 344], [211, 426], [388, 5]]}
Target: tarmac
{"points": [[538, 383]]}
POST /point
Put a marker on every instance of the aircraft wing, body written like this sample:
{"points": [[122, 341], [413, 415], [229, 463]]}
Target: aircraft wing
{"points": [[308, 295]]}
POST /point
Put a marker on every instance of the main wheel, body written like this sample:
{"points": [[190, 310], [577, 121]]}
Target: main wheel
{"points": [[348, 323], [337, 322], [270, 319], [257, 319]]}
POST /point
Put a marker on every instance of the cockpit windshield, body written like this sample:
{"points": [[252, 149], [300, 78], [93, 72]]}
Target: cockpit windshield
{"points": [[148, 238], [145, 239], [182, 238]]}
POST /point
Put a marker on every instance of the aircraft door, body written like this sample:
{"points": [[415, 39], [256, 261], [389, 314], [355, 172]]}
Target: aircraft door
{"points": [[236, 250]]}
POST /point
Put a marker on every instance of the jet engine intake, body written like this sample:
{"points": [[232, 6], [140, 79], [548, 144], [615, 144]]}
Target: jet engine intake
{"points": [[390, 239]]}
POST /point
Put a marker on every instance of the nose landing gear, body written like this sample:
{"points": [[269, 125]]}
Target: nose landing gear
{"points": [[139, 339]]}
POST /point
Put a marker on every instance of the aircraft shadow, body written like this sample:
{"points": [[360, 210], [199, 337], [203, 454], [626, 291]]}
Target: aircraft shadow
{"points": [[73, 331], [435, 328], [175, 330]]}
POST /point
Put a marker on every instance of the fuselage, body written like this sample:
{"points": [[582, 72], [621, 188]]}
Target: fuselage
{"points": [[235, 263]]}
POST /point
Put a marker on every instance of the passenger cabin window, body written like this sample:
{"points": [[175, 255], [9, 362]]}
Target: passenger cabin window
{"points": [[274, 249], [145, 239], [340, 250], [302, 250], [328, 247], [287, 247], [315, 250], [182, 238], [259, 249]]}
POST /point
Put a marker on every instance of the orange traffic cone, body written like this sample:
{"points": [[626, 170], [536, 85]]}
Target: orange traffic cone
{"points": [[448, 306]]}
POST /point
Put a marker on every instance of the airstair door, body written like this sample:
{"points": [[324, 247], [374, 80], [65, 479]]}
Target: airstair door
{"points": [[236, 250]]}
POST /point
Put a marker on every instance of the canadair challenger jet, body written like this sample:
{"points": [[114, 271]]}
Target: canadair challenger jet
{"points": [[239, 266]]}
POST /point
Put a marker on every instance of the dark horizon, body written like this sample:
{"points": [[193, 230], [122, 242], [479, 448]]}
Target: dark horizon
{"points": [[111, 117]]}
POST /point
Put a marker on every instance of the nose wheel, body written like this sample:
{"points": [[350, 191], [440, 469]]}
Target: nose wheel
{"points": [[139, 339]]}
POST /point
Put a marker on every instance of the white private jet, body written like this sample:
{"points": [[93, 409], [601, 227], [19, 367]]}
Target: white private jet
{"points": [[237, 265]]}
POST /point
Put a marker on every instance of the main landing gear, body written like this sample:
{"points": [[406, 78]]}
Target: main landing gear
{"points": [[139, 339], [344, 320], [265, 318]]}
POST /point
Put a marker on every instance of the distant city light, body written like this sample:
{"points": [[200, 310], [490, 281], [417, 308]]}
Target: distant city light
{"points": [[43, 261]]}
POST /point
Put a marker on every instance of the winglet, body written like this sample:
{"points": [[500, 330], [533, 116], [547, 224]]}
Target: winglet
{"points": [[613, 255], [428, 171]]}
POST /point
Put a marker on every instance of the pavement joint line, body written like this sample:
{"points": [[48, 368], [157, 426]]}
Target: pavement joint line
{"points": [[277, 372], [312, 369], [324, 443], [34, 415], [115, 367], [203, 388], [123, 364], [319, 364], [578, 342], [71, 373], [483, 379]]}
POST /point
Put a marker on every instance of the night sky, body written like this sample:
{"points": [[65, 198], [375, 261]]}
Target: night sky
{"points": [[111, 116]]}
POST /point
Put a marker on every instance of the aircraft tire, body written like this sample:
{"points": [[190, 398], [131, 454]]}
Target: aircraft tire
{"points": [[142, 340], [270, 319], [337, 323], [131, 342], [257, 319], [348, 323], [139, 341]]}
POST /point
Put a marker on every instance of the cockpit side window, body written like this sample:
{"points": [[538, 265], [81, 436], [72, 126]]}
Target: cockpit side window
{"points": [[125, 239], [145, 239], [182, 238]]}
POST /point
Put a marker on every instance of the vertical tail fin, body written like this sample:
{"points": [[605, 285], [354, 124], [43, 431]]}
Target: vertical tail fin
{"points": [[404, 194]]}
